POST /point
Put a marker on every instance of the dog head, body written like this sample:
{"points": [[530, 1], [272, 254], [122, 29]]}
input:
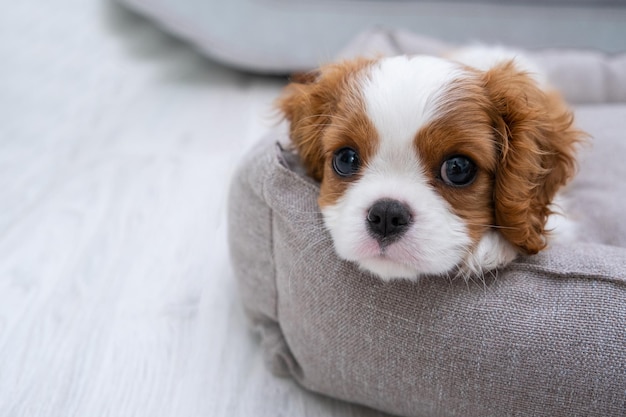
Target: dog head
{"points": [[428, 166]]}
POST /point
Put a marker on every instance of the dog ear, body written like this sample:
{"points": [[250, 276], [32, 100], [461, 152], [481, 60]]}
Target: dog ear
{"points": [[309, 103], [537, 145], [306, 104]]}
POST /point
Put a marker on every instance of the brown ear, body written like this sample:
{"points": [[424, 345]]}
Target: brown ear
{"points": [[309, 103], [537, 147]]}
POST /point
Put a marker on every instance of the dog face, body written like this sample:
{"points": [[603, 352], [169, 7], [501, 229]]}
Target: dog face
{"points": [[428, 166]]}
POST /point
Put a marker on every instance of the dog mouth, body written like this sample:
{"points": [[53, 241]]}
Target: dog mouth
{"points": [[386, 267], [384, 246], [391, 251]]}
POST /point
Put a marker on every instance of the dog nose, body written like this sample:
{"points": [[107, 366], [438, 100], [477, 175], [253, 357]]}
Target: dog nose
{"points": [[387, 220]]}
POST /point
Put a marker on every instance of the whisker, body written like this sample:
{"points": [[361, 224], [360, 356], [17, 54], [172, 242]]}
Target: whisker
{"points": [[493, 226]]}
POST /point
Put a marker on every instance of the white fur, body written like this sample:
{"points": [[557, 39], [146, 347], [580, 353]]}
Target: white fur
{"points": [[560, 225], [492, 251], [400, 95], [484, 57]]}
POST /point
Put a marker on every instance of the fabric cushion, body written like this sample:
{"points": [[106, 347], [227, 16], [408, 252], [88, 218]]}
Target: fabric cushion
{"points": [[545, 336]]}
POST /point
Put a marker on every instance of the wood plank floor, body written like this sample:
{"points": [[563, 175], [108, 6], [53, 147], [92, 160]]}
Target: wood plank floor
{"points": [[116, 296]]}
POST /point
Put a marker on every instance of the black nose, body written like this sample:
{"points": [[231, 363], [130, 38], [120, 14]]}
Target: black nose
{"points": [[387, 220]]}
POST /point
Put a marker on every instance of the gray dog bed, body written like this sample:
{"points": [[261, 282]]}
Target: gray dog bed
{"points": [[545, 336]]}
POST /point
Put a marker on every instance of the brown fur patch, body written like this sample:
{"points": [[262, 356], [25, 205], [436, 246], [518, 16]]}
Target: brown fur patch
{"points": [[463, 127], [537, 153], [326, 114], [350, 129]]}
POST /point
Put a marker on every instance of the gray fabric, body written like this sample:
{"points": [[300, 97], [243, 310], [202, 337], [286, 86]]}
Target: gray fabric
{"points": [[544, 337], [286, 36], [582, 76]]}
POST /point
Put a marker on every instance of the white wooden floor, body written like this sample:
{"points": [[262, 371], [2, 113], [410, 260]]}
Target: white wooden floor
{"points": [[116, 296]]}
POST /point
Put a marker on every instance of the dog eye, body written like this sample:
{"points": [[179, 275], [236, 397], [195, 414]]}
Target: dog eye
{"points": [[346, 162], [458, 171]]}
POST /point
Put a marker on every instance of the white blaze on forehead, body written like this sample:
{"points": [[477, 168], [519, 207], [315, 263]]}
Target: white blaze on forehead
{"points": [[401, 93]]}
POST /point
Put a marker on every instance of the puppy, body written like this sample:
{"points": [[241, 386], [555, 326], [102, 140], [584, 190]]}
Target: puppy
{"points": [[432, 166]]}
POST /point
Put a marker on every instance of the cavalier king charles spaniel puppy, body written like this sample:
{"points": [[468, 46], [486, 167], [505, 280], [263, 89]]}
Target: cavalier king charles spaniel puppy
{"points": [[430, 165]]}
